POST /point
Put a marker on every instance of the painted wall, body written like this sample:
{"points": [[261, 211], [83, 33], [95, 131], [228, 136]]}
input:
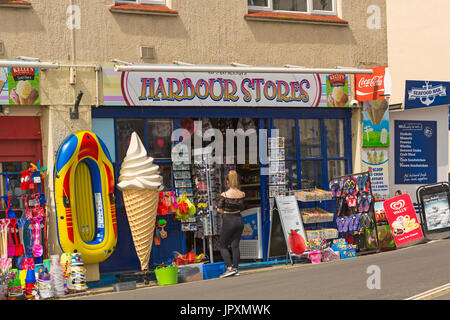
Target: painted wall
{"points": [[417, 48]]}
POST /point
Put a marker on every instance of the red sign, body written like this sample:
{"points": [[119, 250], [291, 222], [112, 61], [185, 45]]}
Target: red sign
{"points": [[403, 219], [371, 86]]}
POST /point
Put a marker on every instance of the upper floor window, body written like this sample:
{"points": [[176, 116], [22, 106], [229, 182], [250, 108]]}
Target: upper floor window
{"points": [[160, 2], [320, 7]]}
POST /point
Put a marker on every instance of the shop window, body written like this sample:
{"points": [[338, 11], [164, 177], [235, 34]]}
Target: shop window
{"points": [[125, 127], [311, 174], [287, 130], [317, 7], [310, 143], [335, 137], [159, 138], [336, 168]]}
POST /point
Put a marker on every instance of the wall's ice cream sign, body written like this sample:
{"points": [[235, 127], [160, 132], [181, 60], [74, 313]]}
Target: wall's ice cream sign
{"points": [[223, 89], [403, 219]]}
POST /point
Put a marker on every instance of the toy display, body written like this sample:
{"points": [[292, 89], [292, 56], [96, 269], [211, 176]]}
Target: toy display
{"points": [[84, 198]]}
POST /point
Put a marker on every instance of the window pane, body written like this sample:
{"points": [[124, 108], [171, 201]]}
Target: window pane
{"points": [[125, 128], [13, 183], [286, 129], [336, 168], [311, 174], [159, 138], [258, 3], [166, 172], [309, 138], [323, 5], [291, 175], [335, 138], [290, 5]]}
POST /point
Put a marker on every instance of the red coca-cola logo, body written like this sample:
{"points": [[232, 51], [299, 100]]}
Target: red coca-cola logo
{"points": [[375, 81]]}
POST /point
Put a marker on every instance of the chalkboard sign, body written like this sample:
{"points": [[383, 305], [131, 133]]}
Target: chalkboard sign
{"points": [[286, 225]]}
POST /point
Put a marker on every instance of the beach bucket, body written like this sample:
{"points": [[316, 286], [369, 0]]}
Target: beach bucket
{"points": [[167, 276], [315, 256]]}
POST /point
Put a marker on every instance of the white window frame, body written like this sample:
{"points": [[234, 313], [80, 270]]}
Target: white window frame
{"points": [[160, 2], [310, 10]]}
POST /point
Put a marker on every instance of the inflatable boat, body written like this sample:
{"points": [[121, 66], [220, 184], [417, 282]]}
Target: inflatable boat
{"points": [[84, 197]]}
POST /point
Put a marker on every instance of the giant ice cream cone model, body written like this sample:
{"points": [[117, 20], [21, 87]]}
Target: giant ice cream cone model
{"points": [[139, 182], [377, 110]]}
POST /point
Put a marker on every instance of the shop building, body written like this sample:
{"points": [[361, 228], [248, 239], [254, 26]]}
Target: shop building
{"points": [[406, 21], [322, 141]]}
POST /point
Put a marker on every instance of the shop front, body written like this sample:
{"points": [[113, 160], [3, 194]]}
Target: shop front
{"points": [[311, 113]]}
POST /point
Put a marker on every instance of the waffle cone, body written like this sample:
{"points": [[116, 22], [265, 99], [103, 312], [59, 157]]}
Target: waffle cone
{"points": [[141, 207]]}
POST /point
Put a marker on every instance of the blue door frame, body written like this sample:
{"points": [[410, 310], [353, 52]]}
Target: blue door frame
{"points": [[261, 113]]}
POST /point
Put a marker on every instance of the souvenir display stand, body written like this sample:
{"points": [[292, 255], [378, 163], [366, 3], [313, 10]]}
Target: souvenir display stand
{"points": [[355, 215], [316, 219], [26, 272]]}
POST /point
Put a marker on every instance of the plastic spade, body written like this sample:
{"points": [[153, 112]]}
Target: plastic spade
{"points": [[28, 211], [37, 210], [36, 248], [18, 247]]}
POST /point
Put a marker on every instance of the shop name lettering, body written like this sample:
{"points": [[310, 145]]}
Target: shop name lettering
{"points": [[228, 309], [219, 89]]}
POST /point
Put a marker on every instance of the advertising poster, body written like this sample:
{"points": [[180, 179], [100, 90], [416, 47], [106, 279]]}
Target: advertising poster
{"points": [[291, 222], [376, 161], [375, 86], [423, 94], [403, 219], [376, 123], [337, 90], [415, 152], [19, 86], [437, 211], [250, 227]]}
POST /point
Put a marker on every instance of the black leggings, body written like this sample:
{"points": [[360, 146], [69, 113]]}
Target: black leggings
{"points": [[232, 227]]}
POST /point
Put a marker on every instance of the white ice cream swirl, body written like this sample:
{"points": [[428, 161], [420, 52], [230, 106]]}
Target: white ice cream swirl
{"points": [[137, 170]]}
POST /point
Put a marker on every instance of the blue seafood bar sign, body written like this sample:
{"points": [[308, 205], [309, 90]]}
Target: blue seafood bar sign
{"points": [[415, 152], [423, 94]]}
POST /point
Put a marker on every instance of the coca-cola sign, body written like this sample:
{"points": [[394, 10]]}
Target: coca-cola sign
{"points": [[371, 86]]}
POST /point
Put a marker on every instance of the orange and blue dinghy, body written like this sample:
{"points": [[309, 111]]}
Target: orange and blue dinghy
{"points": [[84, 197]]}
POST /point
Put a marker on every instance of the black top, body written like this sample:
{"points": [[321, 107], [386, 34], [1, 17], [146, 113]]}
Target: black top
{"points": [[231, 204]]}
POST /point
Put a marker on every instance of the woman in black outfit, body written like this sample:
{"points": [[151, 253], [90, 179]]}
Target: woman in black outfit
{"points": [[230, 205]]}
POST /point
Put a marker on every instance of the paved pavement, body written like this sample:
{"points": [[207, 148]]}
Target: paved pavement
{"points": [[403, 273]]}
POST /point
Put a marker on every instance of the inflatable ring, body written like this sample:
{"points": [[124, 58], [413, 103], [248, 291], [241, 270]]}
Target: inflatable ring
{"points": [[84, 197]]}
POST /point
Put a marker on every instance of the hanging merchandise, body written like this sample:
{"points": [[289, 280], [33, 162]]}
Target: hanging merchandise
{"points": [[161, 224], [355, 217], [26, 183]]}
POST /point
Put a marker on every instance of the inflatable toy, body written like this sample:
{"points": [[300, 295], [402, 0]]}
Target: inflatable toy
{"points": [[84, 197]]}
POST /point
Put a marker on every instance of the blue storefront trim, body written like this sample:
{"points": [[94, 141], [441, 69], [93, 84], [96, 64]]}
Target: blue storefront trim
{"points": [[176, 113]]}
